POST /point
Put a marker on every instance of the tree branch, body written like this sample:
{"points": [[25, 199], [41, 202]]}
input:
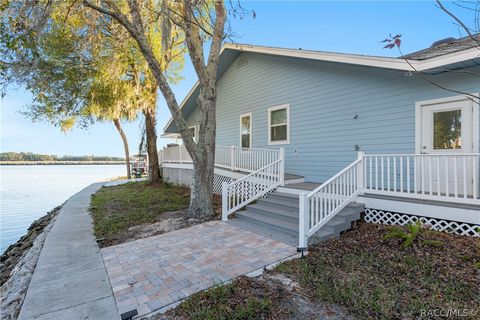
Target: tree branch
{"points": [[467, 30]]}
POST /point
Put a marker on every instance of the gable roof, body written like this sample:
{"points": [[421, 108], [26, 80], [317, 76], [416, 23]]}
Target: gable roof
{"points": [[446, 46], [457, 54]]}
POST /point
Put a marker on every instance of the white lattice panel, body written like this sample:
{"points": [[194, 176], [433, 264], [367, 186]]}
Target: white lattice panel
{"points": [[400, 219], [218, 180]]}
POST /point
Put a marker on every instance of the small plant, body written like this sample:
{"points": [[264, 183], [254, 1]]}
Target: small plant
{"points": [[413, 230], [476, 265]]}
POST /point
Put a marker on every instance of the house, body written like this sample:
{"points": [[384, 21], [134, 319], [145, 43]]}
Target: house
{"points": [[312, 134]]}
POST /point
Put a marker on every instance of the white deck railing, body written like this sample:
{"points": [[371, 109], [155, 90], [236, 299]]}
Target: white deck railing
{"points": [[443, 177], [322, 204], [229, 157], [241, 192], [440, 177]]}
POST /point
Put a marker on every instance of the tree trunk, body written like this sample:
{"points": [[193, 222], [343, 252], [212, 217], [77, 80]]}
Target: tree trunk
{"points": [[153, 165], [203, 152], [116, 122], [201, 199]]}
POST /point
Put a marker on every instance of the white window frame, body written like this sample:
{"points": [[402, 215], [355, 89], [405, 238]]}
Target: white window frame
{"points": [[195, 127], [248, 114], [283, 106]]}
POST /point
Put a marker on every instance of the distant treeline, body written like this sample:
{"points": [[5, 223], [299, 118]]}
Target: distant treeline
{"points": [[29, 156]]}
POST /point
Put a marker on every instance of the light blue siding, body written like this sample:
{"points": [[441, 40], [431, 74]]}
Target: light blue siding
{"points": [[324, 99]]}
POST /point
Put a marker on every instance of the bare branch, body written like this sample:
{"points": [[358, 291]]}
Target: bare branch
{"points": [[467, 30]]}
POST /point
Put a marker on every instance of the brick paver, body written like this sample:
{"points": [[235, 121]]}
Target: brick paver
{"points": [[152, 273]]}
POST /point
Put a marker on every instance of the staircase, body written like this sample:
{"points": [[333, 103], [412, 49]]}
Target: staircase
{"points": [[277, 215]]}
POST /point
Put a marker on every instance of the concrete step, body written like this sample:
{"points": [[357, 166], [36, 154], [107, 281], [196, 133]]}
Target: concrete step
{"points": [[272, 233], [278, 202], [323, 235], [283, 196], [268, 221], [276, 212], [337, 224]]}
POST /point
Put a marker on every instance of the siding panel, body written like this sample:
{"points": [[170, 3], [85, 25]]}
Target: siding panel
{"points": [[324, 98]]}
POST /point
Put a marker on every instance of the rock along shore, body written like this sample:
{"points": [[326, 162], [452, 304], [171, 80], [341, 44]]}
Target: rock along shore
{"points": [[18, 262]]}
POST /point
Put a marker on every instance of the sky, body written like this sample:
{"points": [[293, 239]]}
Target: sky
{"points": [[351, 27]]}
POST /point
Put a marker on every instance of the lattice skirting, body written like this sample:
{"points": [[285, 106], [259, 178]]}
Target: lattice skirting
{"points": [[185, 177], [401, 219]]}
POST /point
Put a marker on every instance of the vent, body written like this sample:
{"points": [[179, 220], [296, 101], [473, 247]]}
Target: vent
{"points": [[241, 62], [443, 42]]}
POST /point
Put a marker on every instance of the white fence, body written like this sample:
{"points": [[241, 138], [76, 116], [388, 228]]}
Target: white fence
{"points": [[177, 154], [241, 192], [319, 206], [443, 177], [229, 157]]}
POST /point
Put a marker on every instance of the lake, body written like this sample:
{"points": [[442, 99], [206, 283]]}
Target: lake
{"points": [[28, 192]]}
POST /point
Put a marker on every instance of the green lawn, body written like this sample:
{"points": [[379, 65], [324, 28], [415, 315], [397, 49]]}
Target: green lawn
{"points": [[115, 209]]}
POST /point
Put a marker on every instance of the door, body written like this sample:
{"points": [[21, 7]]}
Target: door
{"points": [[446, 136]]}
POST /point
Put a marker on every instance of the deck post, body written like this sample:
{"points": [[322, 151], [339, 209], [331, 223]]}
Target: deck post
{"points": [[303, 222], [232, 158], [224, 201], [282, 166], [360, 171]]}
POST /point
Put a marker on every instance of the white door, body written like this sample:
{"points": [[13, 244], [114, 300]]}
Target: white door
{"points": [[446, 135]]}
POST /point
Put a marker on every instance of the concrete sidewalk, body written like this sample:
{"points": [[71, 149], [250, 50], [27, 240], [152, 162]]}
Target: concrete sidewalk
{"points": [[70, 280]]}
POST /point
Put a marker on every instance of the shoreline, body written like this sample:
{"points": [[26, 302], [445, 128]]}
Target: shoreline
{"points": [[56, 163], [18, 263]]}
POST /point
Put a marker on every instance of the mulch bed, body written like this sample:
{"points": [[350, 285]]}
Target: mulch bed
{"points": [[265, 297], [377, 278]]}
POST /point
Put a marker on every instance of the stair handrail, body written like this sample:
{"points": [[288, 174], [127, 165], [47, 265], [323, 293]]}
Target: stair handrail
{"points": [[243, 191], [319, 206]]}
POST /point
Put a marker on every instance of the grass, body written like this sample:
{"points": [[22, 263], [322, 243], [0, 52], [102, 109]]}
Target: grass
{"points": [[244, 298], [377, 278], [115, 209]]}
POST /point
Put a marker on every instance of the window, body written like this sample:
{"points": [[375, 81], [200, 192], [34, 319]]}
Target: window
{"points": [[279, 124], [246, 130], [447, 130], [193, 130]]}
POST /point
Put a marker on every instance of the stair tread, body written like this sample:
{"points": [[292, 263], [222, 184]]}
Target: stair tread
{"points": [[284, 195], [280, 223], [280, 202], [285, 237], [274, 209]]}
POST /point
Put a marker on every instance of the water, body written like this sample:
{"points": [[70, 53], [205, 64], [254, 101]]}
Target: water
{"points": [[29, 192]]}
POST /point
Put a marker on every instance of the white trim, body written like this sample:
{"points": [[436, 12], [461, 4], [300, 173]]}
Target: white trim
{"points": [[423, 209], [475, 116], [476, 125], [195, 127], [269, 110], [364, 60], [248, 114]]}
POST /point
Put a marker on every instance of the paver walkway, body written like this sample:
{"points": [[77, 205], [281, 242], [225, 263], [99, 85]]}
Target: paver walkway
{"points": [[70, 280], [152, 273]]}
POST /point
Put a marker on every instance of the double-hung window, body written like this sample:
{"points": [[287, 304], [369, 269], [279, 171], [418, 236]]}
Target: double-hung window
{"points": [[279, 124], [246, 130]]}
